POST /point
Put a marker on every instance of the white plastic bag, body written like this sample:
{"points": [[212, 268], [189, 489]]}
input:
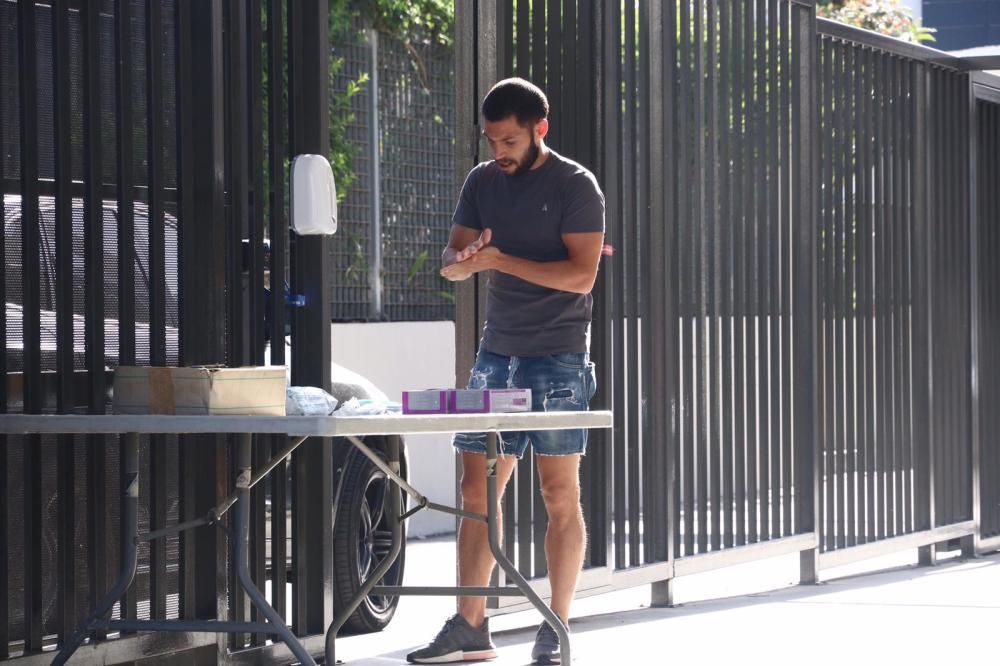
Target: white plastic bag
{"points": [[308, 401]]}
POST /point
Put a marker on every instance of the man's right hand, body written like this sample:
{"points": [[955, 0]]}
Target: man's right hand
{"points": [[471, 248]]}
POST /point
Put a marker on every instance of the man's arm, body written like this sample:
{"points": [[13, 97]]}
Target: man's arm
{"points": [[575, 274]]}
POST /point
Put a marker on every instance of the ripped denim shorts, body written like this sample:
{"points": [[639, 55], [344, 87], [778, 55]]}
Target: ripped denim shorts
{"points": [[563, 382]]}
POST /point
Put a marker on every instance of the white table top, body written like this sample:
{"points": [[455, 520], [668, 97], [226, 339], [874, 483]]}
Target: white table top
{"points": [[296, 426]]}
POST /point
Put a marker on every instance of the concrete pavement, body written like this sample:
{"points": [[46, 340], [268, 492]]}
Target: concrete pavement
{"points": [[748, 614]]}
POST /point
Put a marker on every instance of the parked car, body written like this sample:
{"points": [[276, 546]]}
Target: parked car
{"points": [[361, 534]]}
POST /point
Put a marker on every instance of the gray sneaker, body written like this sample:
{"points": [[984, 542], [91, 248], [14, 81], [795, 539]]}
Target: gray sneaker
{"points": [[457, 641], [546, 650]]}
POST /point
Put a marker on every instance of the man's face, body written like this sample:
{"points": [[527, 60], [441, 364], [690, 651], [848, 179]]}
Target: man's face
{"points": [[515, 148]]}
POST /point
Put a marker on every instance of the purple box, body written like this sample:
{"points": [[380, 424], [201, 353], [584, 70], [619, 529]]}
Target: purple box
{"points": [[468, 401], [482, 401], [430, 401]]}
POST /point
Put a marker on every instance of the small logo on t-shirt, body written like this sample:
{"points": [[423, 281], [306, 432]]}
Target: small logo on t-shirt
{"points": [[545, 208]]}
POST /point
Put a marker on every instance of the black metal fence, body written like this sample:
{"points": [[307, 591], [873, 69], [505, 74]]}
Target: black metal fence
{"points": [[787, 328], [143, 148]]}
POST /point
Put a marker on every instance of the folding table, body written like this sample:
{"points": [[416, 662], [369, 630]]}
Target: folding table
{"points": [[298, 429]]}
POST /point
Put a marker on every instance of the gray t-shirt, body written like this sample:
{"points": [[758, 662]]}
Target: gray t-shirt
{"points": [[527, 214]]}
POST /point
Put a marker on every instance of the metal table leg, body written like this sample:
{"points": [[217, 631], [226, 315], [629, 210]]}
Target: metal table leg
{"points": [[396, 529], [241, 547], [501, 557], [130, 527]]}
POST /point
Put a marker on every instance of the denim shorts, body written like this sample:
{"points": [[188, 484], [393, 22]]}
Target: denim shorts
{"points": [[563, 382]]}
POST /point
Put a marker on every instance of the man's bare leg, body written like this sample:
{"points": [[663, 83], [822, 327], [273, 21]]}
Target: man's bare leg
{"points": [[565, 539], [475, 561]]}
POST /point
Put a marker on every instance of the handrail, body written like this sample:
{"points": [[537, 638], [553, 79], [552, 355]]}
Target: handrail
{"points": [[850, 33]]}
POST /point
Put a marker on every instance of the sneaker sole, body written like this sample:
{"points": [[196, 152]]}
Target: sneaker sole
{"points": [[457, 656]]}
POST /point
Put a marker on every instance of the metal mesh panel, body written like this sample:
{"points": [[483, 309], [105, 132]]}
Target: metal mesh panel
{"points": [[416, 122], [416, 176], [350, 245]]}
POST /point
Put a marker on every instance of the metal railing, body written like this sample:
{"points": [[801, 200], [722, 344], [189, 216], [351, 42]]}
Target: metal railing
{"points": [[786, 331]]}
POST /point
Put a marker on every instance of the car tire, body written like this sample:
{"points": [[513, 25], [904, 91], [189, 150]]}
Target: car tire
{"points": [[362, 539]]}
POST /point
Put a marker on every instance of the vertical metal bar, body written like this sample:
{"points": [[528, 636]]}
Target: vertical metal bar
{"points": [[124, 170], [255, 297], [157, 293], [804, 130], [827, 497], [740, 307], [671, 341], [629, 269], [185, 211], [277, 153], [568, 121], [522, 39], [773, 495], [899, 251], [258, 199], [728, 59], [538, 60], [699, 284], [585, 103], [850, 306], [155, 182], [974, 303], [375, 178], [870, 366], [648, 294], [923, 371], [63, 228], [787, 229], [615, 278], [311, 353], [5, 111], [554, 70], [686, 283], [909, 204], [30, 247], [834, 292], [201, 170], [238, 176], [756, 284], [93, 223], [525, 481], [882, 303], [713, 231], [657, 79]]}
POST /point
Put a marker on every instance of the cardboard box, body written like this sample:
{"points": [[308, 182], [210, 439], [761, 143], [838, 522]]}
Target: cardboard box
{"points": [[429, 401], [482, 401], [200, 390]]}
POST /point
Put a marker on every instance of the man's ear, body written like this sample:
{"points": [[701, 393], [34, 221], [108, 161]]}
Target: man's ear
{"points": [[541, 128]]}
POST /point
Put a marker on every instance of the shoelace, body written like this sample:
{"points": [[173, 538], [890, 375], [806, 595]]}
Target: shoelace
{"points": [[448, 624]]}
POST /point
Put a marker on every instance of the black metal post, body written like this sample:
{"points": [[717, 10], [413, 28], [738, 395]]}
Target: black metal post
{"points": [[312, 558]]}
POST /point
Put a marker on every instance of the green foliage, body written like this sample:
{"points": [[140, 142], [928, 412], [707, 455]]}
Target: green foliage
{"points": [[410, 21], [887, 17]]}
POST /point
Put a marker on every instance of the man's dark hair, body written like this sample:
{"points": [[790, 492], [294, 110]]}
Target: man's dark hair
{"points": [[516, 97]]}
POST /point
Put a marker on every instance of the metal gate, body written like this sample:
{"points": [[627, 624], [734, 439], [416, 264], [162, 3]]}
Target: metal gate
{"points": [[142, 191], [784, 330]]}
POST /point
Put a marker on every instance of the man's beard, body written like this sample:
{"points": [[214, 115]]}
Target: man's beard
{"points": [[529, 158]]}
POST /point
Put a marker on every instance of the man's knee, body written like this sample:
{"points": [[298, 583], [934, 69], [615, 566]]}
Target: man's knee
{"points": [[562, 500], [474, 491]]}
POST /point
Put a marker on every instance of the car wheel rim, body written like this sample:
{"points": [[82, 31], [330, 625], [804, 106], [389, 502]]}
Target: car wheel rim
{"points": [[375, 540]]}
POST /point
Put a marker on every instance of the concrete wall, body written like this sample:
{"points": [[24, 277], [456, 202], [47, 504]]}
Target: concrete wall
{"points": [[409, 355]]}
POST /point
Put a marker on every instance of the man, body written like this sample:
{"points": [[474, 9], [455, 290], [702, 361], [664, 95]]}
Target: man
{"points": [[535, 220]]}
